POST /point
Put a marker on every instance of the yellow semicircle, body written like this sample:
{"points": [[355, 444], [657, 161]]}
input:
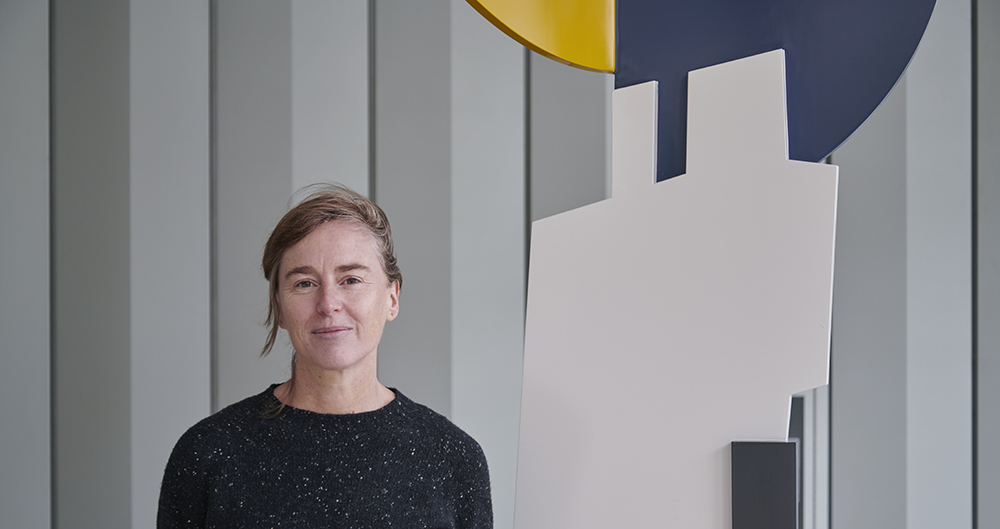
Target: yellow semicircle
{"points": [[580, 33]]}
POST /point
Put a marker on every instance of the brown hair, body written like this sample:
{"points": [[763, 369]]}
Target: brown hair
{"points": [[325, 202]]}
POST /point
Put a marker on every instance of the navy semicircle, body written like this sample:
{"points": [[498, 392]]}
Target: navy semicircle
{"points": [[842, 57]]}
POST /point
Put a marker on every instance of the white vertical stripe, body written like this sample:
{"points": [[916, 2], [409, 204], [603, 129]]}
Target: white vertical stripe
{"points": [[330, 93], [169, 235], [487, 226], [939, 268], [25, 495]]}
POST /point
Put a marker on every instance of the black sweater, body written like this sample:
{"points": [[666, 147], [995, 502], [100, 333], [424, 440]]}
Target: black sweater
{"points": [[399, 466]]}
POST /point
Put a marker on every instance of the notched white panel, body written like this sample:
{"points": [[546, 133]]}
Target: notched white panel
{"points": [[673, 318]]}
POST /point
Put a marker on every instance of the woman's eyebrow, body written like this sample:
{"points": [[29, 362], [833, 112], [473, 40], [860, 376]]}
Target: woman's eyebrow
{"points": [[340, 269], [352, 266], [300, 270]]}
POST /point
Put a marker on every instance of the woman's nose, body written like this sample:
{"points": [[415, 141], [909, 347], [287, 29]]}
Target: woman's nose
{"points": [[329, 300]]}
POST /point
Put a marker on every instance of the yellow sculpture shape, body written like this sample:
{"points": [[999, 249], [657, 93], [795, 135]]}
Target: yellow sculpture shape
{"points": [[579, 33]]}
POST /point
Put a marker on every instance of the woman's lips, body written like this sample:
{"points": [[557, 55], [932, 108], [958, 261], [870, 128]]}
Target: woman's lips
{"points": [[332, 331]]}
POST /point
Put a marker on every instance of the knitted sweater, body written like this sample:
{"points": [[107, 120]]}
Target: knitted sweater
{"points": [[399, 466]]}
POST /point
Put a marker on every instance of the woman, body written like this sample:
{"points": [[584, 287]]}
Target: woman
{"points": [[330, 447]]}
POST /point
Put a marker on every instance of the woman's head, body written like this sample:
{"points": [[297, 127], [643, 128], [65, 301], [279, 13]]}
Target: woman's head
{"points": [[326, 203]]}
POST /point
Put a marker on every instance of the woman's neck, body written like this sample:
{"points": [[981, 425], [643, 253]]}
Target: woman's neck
{"points": [[334, 392]]}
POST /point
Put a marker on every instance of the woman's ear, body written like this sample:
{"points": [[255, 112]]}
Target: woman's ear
{"points": [[393, 301]]}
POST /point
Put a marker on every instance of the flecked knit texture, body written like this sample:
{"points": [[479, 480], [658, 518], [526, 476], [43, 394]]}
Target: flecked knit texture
{"points": [[399, 466]]}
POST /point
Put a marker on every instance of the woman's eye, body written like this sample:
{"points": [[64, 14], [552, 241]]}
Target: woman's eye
{"points": [[304, 284], [352, 281]]}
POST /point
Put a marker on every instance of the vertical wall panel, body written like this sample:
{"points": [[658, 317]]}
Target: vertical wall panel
{"points": [[91, 316], [939, 273], [814, 466], [987, 106], [413, 185], [488, 243], [253, 141], [330, 93], [868, 358], [291, 110], [169, 243], [25, 500], [901, 382], [570, 148]]}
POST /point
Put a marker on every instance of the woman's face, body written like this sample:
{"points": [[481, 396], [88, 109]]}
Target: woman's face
{"points": [[335, 298]]}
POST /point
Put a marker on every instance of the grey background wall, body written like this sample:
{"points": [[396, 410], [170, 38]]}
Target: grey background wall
{"points": [[901, 380], [24, 265], [180, 130], [413, 149], [90, 256], [986, 166], [169, 240], [939, 273], [868, 360], [130, 250], [488, 220]]}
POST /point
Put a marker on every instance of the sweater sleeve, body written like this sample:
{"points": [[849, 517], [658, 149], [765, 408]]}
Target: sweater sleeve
{"points": [[473, 500], [184, 490]]}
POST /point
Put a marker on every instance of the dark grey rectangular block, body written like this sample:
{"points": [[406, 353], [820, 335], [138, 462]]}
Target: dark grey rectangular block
{"points": [[765, 485]]}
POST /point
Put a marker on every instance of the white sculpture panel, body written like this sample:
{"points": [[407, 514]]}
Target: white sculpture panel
{"points": [[676, 317]]}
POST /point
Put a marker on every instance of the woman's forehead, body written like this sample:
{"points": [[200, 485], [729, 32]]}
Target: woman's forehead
{"points": [[331, 243]]}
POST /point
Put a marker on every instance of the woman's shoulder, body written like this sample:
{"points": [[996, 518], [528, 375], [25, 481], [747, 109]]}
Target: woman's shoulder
{"points": [[461, 455], [438, 429], [219, 429]]}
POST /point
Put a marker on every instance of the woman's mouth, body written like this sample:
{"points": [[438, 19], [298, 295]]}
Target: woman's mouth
{"points": [[332, 332]]}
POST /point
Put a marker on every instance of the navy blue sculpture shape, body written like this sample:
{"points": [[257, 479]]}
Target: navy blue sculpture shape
{"points": [[842, 58]]}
